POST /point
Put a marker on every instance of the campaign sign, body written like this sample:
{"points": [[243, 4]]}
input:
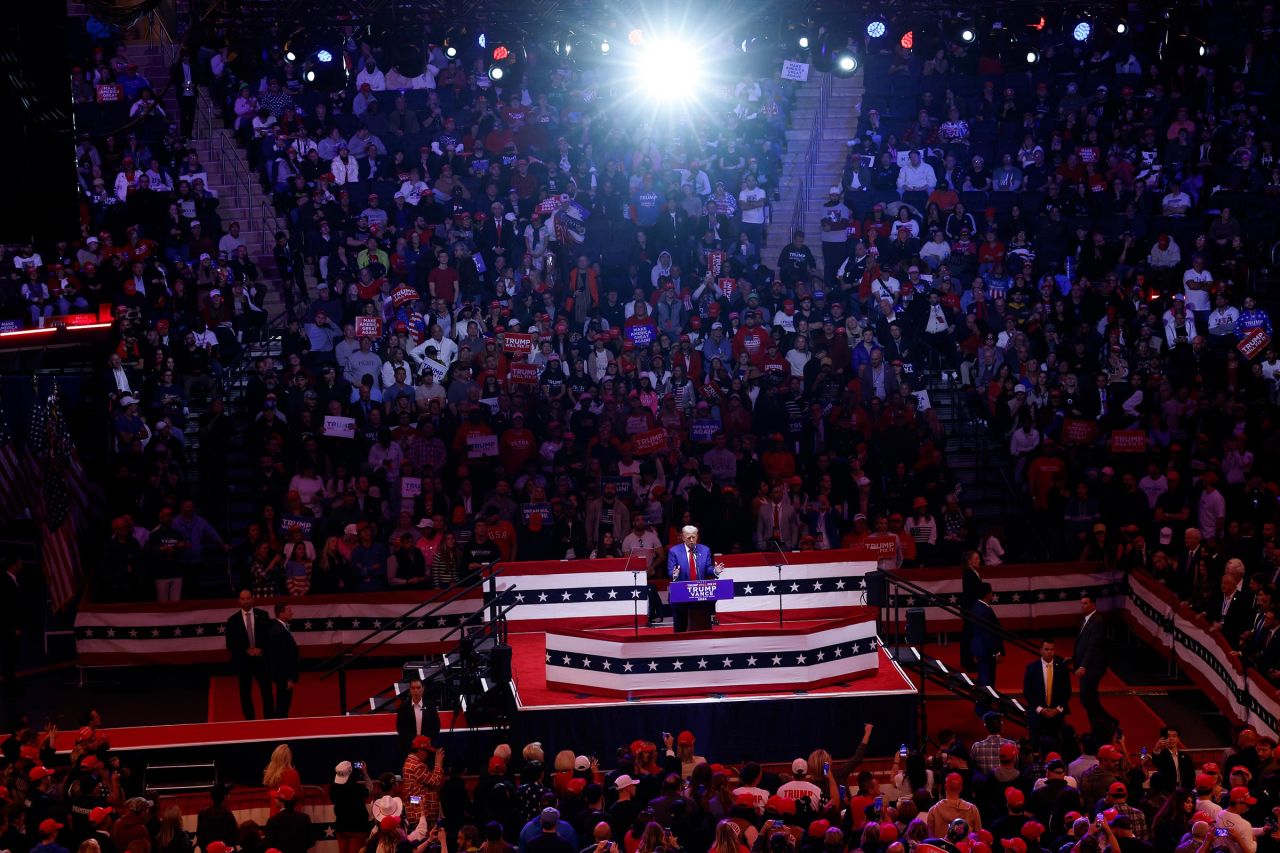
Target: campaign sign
{"points": [[524, 374], [715, 262], [519, 343], [410, 487], [692, 592], [1079, 431], [1129, 441], [704, 429], [1254, 341], [337, 426], [649, 441], [479, 446], [403, 295], [289, 522], [727, 286], [881, 546], [797, 71], [368, 327], [641, 336], [528, 511], [621, 485]]}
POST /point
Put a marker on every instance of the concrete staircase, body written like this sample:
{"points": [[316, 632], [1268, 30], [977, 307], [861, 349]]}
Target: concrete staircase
{"points": [[843, 108]]}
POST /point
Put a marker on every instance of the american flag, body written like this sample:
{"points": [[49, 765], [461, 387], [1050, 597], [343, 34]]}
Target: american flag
{"points": [[51, 444], [17, 473]]}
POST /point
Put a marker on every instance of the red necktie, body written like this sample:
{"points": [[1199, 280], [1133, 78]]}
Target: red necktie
{"points": [[693, 565]]}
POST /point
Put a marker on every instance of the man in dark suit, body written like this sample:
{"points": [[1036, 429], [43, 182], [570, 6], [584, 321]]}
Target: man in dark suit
{"points": [[970, 584], [1170, 760], [987, 642], [282, 659], [1090, 662], [1230, 611], [416, 716], [691, 562], [1046, 686], [12, 618], [248, 632]]}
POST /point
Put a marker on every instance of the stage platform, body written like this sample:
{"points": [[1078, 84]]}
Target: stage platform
{"points": [[730, 726]]}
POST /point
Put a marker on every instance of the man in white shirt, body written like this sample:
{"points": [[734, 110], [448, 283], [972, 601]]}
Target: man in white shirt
{"points": [[372, 75], [1222, 321], [751, 201], [800, 787], [1233, 821], [1195, 285], [916, 176], [1175, 203]]}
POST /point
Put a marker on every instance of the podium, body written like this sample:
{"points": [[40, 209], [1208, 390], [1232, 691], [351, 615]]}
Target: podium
{"points": [[699, 600]]}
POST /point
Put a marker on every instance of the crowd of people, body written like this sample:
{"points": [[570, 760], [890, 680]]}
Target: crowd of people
{"points": [[1090, 795]]}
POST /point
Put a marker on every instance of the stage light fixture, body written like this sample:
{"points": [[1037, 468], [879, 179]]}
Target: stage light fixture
{"points": [[496, 73], [450, 52], [669, 68], [1122, 27], [877, 28], [1082, 31], [1031, 57], [908, 40], [310, 75], [803, 42], [323, 55], [636, 37], [967, 34], [290, 55], [846, 63], [482, 41], [604, 46], [501, 53]]}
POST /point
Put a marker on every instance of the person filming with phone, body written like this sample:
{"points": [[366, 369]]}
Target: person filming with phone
{"points": [[423, 776]]}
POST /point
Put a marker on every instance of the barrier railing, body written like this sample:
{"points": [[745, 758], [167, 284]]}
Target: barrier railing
{"points": [[811, 154]]}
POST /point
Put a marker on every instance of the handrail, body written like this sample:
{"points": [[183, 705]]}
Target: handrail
{"points": [[454, 594], [811, 153], [381, 705], [934, 600]]}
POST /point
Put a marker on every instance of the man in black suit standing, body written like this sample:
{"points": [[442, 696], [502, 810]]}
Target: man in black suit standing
{"points": [[1230, 611], [416, 716], [1170, 760], [248, 631], [1046, 686], [1090, 662], [970, 584], [282, 659], [987, 643], [12, 617]]}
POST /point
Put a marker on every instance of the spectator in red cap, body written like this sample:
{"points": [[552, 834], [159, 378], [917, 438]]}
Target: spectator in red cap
{"points": [[951, 807], [289, 830], [423, 776], [1097, 781], [48, 830], [684, 751], [1010, 825]]}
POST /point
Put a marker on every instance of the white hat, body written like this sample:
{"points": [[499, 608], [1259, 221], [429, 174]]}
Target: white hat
{"points": [[350, 530], [835, 189], [92, 239], [623, 782], [205, 256], [388, 806], [428, 523], [128, 400], [342, 772], [582, 763], [799, 767], [162, 424]]}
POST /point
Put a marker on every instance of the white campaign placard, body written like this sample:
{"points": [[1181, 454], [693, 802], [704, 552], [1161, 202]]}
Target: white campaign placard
{"points": [[798, 71], [339, 427]]}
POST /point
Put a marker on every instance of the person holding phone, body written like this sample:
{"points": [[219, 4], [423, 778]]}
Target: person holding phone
{"points": [[349, 793], [423, 776], [800, 787]]}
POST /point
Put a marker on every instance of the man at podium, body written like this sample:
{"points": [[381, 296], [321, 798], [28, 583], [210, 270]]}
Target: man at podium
{"points": [[690, 561]]}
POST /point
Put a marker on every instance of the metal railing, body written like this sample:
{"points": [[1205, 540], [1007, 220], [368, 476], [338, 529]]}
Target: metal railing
{"points": [[227, 152], [811, 153]]}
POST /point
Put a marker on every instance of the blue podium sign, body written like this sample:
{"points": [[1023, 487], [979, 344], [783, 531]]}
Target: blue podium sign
{"points": [[693, 592]]}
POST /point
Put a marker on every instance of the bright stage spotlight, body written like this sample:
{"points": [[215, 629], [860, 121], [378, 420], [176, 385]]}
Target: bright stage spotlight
{"points": [[803, 42], [846, 63], [604, 46], [1081, 31], [877, 27], [496, 73], [323, 55], [669, 69]]}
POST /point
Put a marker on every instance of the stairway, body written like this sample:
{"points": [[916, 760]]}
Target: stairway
{"points": [[843, 106]]}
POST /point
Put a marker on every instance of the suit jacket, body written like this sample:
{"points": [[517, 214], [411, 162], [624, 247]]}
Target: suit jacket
{"points": [[1163, 761], [678, 563], [282, 653], [1089, 652], [1033, 686], [986, 643], [238, 637], [406, 727], [1237, 620], [788, 524]]}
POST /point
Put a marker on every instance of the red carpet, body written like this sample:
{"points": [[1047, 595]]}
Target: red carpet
{"points": [[528, 665]]}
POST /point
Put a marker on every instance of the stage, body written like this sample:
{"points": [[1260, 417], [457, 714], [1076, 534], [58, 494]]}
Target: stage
{"points": [[730, 726]]}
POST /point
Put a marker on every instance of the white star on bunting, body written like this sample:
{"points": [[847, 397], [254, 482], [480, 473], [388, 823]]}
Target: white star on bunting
{"points": [[702, 663], [771, 589], [564, 596], [589, 595], [678, 665], [728, 663], [795, 587], [748, 589], [751, 661], [840, 584], [542, 597], [776, 660], [605, 665], [627, 667], [613, 593], [653, 667]]}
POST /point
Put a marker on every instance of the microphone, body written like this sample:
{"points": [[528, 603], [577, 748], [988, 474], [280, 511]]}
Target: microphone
{"points": [[777, 546]]}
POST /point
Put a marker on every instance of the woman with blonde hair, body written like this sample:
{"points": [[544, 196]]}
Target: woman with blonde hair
{"points": [[89, 845], [655, 839], [280, 771], [728, 838], [171, 837]]}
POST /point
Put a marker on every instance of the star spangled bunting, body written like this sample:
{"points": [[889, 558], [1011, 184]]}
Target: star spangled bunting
{"points": [[741, 589], [144, 630], [658, 665], [51, 445]]}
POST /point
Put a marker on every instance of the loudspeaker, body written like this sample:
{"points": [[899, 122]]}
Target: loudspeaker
{"points": [[500, 664], [915, 626], [877, 589]]}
